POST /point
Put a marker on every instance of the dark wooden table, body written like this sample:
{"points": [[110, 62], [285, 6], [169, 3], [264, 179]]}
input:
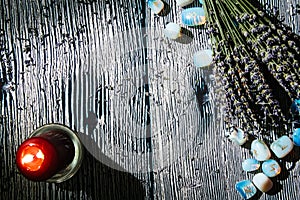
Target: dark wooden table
{"points": [[105, 69]]}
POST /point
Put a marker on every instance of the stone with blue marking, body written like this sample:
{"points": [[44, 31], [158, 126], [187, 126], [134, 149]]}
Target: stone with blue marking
{"points": [[260, 150], [282, 146], [250, 165], [296, 136], [193, 16], [246, 189], [271, 168], [156, 6]]}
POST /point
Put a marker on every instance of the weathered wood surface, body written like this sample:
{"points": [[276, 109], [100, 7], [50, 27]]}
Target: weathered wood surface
{"points": [[104, 69]]}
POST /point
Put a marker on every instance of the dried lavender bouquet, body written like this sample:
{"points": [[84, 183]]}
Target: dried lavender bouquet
{"points": [[256, 62]]}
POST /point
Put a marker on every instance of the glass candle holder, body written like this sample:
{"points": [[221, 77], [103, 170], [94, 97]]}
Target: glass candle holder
{"points": [[53, 153]]}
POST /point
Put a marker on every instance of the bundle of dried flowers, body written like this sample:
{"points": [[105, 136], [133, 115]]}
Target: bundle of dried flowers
{"points": [[256, 62]]}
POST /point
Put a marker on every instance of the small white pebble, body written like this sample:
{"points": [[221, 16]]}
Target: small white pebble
{"points": [[172, 31], [203, 58], [262, 182]]}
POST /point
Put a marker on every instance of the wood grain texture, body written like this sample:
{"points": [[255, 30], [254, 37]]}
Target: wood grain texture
{"points": [[105, 69]]}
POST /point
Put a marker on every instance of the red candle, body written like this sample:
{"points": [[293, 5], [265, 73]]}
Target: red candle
{"points": [[42, 156]]}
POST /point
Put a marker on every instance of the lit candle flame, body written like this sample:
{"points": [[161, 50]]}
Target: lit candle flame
{"points": [[32, 158]]}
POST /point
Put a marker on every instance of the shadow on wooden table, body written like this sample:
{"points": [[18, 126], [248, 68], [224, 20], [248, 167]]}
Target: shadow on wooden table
{"points": [[166, 10], [98, 181]]}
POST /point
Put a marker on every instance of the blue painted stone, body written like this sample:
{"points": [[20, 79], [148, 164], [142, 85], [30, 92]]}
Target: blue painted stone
{"points": [[296, 136], [250, 165], [295, 108], [271, 168], [156, 6], [246, 189], [282, 146], [183, 3], [193, 16], [203, 58]]}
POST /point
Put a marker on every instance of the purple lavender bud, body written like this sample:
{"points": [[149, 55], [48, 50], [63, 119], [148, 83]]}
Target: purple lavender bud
{"points": [[238, 110], [243, 99], [270, 41], [245, 60], [273, 71], [279, 55], [278, 77], [253, 16], [260, 87], [273, 26], [284, 37], [294, 84], [289, 31], [296, 64], [262, 37], [245, 33], [264, 60], [284, 47], [296, 37], [288, 77], [269, 31], [245, 17], [266, 34], [220, 64], [279, 68], [279, 31], [275, 49], [291, 55], [235, 82], [272, 103], [248, 67], [262, 27], [230, 71], [244, 79], [232, 97], [249, 41], [270, 56], [261, 13], [276, 38], [236, 59], [268, 95], [291, 43], [236, 103], [217, 56], [254, 30], [228, 60]]}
